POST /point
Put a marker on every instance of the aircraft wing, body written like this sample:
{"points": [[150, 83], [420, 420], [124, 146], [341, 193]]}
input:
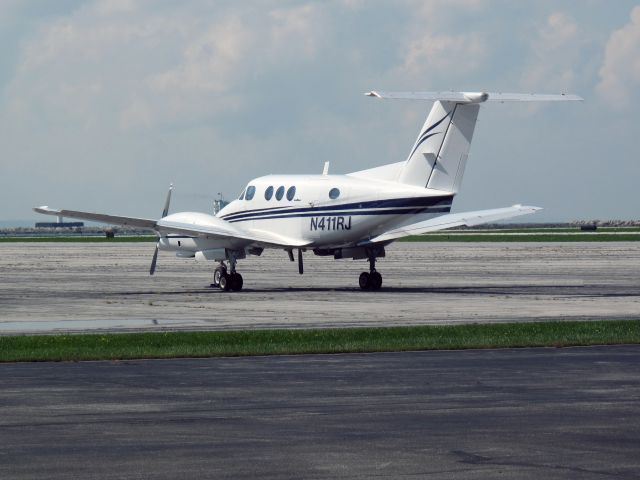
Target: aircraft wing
{"points": [[223, 229], [208, 227], [450, 220], [99, 217]]}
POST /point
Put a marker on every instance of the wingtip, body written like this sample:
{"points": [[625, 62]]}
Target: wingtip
{"points": [[527, 207]]}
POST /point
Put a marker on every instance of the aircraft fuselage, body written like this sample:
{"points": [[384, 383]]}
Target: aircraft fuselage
{"points": [[301, 206]]}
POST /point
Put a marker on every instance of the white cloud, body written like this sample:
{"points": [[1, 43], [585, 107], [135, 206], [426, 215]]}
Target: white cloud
{"points": [[555, 55], [620, 71], [111, 7], [435, 50], [443, 10], [210, 60], [297, 28], [442, 54], [140, 65]]}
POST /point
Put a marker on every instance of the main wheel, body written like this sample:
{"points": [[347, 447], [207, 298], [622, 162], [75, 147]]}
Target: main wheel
{"points": [[225, 282], [365, 281], [375, 280], [236, 282], [217, 273]]}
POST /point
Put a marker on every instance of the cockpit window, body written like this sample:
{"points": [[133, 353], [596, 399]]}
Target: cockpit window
{"points": [[251, 191], [268, 193], [279, 193], [291, 193], [334, 193], [241, 197]]}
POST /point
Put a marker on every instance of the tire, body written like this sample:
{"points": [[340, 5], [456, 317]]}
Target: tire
{"points": [[365, 281], [216, 276], [376, 281], [236, 282], [225, 282]]}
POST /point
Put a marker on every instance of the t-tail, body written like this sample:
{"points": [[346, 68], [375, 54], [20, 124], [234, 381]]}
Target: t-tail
{"points": [[439, 155]]}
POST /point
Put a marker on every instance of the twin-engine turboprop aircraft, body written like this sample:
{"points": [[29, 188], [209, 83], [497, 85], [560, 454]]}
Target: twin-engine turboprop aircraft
{"points": [[345, 216]]}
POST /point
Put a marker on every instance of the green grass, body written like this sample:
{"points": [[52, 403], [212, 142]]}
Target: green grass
{"points": [[81, 239], [575, 230], [279, 342], [490, 237]]}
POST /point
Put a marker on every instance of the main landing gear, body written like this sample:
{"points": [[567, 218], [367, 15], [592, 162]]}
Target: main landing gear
{"points": [[227, 280], [371, 280]]}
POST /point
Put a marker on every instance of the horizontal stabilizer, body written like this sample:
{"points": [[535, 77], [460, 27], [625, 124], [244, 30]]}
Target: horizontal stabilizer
{"points": [[475, 97], [99, 217], [451, 220]]}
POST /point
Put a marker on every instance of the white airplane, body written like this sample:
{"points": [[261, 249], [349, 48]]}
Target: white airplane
{"points": [[345, 216]]}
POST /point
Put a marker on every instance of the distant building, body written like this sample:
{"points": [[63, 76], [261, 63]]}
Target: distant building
{"points": [[59, 224]]}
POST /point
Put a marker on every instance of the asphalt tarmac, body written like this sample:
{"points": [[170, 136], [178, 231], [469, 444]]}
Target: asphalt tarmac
{"points": [[525, 413], [53, 287]]}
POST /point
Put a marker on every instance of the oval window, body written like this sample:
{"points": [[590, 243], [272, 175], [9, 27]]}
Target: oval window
{"points": [[268, 193], [241, 197], [291, 193], [251, 191], [334, 193], [279, 193]]}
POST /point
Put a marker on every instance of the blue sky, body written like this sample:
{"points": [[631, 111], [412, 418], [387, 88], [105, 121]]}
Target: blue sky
{"points": [[104, 103]]}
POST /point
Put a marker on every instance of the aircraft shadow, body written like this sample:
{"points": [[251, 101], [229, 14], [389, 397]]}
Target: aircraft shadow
{"points": [[596, 291]]}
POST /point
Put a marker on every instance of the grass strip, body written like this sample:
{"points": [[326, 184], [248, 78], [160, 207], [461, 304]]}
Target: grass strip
{"points": [[576, 231], [489, 237], [81, 239], [288, 342]]}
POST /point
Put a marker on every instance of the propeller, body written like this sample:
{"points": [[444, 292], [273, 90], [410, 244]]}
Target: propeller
{"points": [[165, 212], [154, 260]]}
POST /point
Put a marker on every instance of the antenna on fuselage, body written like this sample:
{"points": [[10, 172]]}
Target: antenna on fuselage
{"points": [[325, 170]]}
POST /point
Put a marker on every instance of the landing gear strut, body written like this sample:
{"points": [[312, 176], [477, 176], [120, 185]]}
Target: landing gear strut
{"points": [[227, 280], [371, 280]]}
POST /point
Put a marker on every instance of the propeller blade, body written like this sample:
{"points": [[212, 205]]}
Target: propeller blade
{"points": [[300, 265], [165, 212], [153, 261]]}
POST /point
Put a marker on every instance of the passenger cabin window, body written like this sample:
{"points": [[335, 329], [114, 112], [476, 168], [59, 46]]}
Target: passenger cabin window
{"points": [[279, 193], [268, 193], [291, 193], [334, 193], [251, 191]]}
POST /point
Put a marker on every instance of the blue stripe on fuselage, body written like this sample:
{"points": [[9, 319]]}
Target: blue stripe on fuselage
{"points": [[342, 213], [396, 203]]}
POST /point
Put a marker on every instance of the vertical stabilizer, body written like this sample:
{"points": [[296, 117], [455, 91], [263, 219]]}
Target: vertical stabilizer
{"points": [[439, 155]]}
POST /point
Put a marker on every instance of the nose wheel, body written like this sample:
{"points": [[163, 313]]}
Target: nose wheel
{"points": [[226, 280], [371, 280]]}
